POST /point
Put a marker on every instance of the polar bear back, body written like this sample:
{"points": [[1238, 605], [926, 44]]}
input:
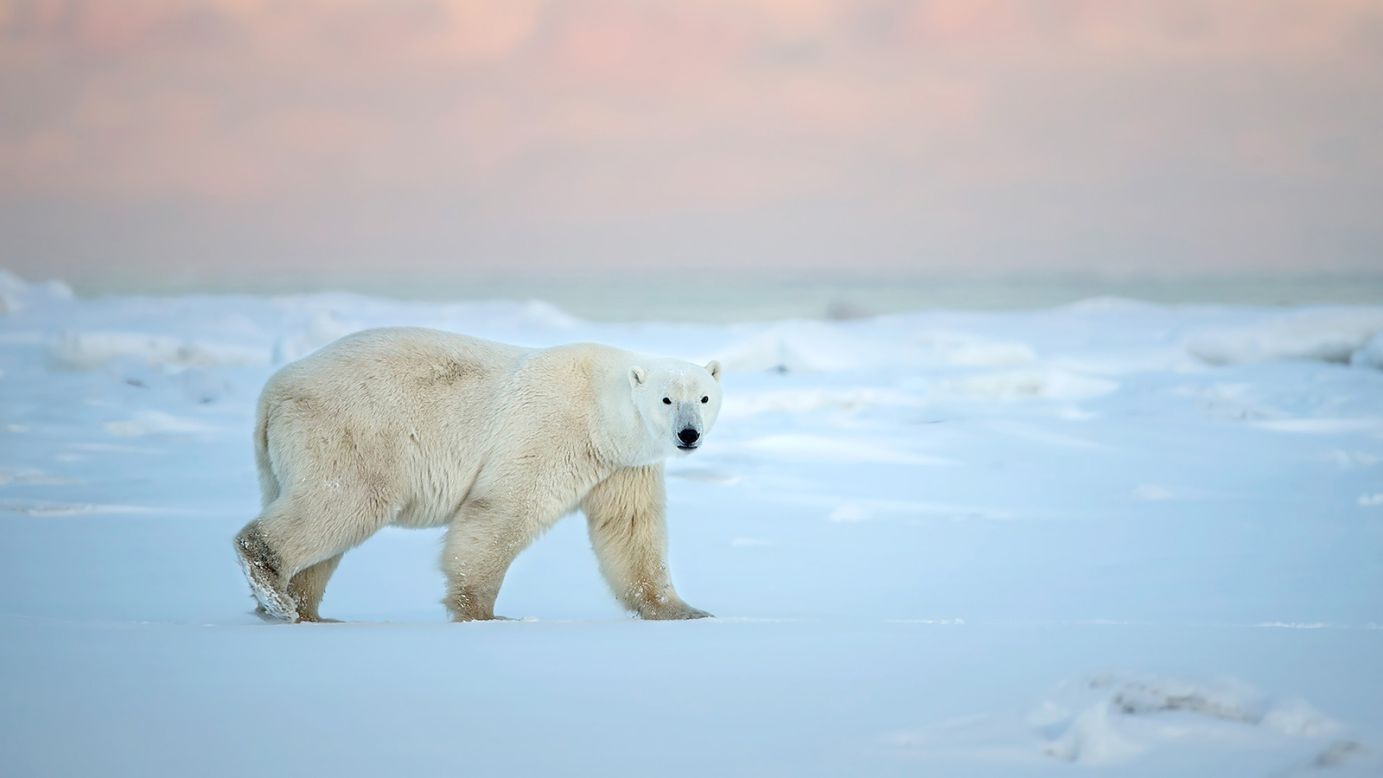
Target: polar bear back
{"points": [[415, 417]]}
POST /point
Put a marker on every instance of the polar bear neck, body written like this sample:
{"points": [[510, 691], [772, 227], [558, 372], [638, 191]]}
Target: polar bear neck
{"points": [[620, 431], [610, 417]]}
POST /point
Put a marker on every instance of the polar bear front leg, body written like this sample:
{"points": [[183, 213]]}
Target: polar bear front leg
{"points": [[625, 515]]}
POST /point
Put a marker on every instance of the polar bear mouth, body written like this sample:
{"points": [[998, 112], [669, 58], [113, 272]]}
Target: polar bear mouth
{"points": [[684, 447]]}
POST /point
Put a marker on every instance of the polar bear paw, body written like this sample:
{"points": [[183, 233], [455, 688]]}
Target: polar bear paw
{"points": [[271, 604], [260, 567], [679, 611]]}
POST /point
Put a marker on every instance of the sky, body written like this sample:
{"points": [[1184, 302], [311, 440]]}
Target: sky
{"points": [[214, 139]]}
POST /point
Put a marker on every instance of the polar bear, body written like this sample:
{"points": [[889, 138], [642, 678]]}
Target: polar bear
{"points": [[423, 428]]}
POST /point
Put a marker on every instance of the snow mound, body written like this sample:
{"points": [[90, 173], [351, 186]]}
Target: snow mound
{"points": [[747, 405], [146, 423], [865, 509], [1033, 384], [1319, 336], [822, 347], [16, 294], [1122, 718], [325, 327], [964, 350], [819, 448], [527, 314], [703, 475], [326, 317], [1150, 726], [93, 350], [804, 347], [44, 510], [1370, 354]]}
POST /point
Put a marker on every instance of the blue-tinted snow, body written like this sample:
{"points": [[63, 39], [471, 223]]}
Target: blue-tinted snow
{"points": [[1106, 535]]}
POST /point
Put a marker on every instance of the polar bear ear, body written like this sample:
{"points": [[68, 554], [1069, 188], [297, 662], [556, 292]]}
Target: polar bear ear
{"points": [[637, 376], [713, 367]]}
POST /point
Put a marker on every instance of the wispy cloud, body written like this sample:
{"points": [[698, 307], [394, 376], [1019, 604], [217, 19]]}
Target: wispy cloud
{"points": [[616, 134]]}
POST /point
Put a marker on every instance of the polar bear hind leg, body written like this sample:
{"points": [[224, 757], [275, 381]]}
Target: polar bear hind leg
{"points": [[290, 551]]}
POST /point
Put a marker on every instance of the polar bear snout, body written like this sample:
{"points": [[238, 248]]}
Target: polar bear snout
{"points": [[689, 436]]}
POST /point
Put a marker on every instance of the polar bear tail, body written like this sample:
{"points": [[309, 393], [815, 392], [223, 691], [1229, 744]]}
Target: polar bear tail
{"points": [[268, 481]]}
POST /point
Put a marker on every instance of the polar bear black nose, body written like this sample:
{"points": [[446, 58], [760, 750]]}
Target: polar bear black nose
{"points": [[688, 436]]}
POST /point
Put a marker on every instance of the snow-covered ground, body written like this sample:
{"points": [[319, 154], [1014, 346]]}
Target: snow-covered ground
{"points": [[1104, 535]]}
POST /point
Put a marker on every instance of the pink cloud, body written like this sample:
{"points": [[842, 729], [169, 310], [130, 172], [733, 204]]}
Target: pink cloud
{"points": [[596, 113]]}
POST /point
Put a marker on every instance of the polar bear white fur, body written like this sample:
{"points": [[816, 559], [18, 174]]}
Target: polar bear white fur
{"points": [[421, 428]]}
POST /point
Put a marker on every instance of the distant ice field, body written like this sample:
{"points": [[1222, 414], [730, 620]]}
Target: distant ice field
{"points": [[695, 295], [1102, 536]]}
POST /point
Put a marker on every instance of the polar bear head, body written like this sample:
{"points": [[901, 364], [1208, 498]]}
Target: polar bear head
{"points": [[677, 402]]}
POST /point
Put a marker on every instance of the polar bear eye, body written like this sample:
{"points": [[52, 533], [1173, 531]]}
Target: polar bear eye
{"points": [[667, 401], [705, 398]]}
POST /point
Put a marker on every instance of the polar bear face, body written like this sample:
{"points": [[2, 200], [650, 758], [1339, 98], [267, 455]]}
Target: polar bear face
{"points": [[678, 403]]}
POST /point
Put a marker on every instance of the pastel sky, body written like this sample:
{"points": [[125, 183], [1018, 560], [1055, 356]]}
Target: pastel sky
{"points": [[319, 137]]}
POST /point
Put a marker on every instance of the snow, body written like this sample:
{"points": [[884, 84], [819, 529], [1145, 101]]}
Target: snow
{"points": [[1343, 335], [1370, 354], [1110, 536]]}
